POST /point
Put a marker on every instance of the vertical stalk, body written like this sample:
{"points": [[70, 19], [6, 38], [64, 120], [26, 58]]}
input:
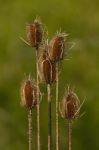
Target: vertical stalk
{"points": [[38, 106], [49, 117], [57, 97], [69, 134], [30, 128]]}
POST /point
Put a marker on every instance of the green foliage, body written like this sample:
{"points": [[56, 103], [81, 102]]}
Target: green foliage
{"points": [[79, 18]]}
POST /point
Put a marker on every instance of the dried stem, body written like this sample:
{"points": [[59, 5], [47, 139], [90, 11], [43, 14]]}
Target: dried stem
{"points": [[30, 128], [49, 117], [38, 106], [57, 98], [69, 134]]}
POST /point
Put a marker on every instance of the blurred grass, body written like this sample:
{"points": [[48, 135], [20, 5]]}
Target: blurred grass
{"points": [[81, 20]]}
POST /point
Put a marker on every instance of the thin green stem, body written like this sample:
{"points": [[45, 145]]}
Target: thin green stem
{"points": [[49, 117]]}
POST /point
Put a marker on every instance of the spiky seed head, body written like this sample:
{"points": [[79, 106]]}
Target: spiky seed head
{"points": [[49, 71], [34, 33], [28, 93], [56, 47], [70, 105]]}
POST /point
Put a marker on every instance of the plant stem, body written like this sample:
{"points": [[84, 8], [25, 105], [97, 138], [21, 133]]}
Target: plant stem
{"points": [[38, 106], [69, 134], [57, 97], [30, 128], [49, 117]]}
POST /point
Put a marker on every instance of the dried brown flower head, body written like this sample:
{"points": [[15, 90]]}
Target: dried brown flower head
{"points": [[47, 69], [56, 47], [28, 93], [34, 33], [70, 105]]}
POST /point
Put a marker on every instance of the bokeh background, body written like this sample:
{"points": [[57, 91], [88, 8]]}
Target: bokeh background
{"points": [[80, 19]]}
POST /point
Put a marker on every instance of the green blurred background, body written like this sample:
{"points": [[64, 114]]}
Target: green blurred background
{"points": [[79, 18]]}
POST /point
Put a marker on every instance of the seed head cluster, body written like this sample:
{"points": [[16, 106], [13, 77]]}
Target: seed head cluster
{"points": [[48, 55], [52, 52]]}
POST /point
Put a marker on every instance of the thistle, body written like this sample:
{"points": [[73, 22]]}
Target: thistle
{"points": [[34, 33], [29, 100], [47, 69], [56, 54], [70, 110], [35, 36], [56, 47], [70, 105], [47, 72]]}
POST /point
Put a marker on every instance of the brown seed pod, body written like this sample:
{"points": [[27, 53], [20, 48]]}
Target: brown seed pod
{"points": [[47, 69], [34, 33], [70, 105], [56, 47], [28, 93]]}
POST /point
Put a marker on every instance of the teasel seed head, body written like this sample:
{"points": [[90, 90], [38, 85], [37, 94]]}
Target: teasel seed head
{"points": [[47, 69], [70, 105], [56, 47], [28, 93], [34, 33]]}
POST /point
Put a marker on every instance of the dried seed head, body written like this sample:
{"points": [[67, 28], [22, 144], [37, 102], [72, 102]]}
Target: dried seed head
{"points": [[34, 33], [28, 93], [70, 105], [47, 69], [56, 47]]}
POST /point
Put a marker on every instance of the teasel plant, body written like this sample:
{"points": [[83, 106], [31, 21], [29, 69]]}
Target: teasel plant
{"points": [[47, 73], [56, 52], [29, 101], [34, 39], [34, 36], [70, 110]]}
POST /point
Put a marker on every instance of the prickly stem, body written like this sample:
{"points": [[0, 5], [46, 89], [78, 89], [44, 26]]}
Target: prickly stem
{"points": [[69, 135], [57, 108], [30, 128], [38, 106], [49, 117]]}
